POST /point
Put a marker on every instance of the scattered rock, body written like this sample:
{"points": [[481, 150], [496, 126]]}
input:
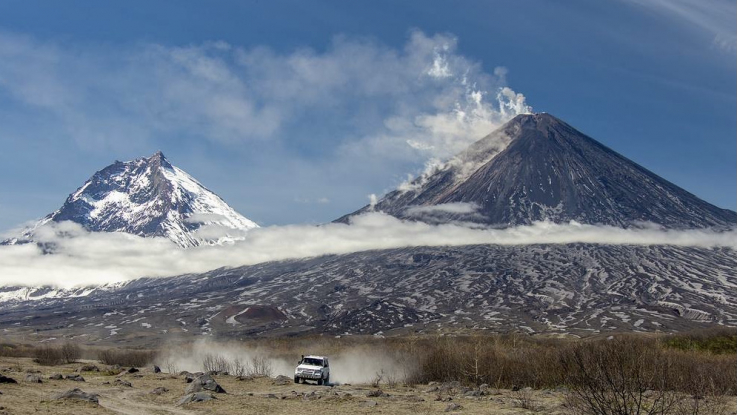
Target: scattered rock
{"points": [[270, 396], [78, 394], [196, 397], [121, 382], [33, 379], [32, 371], [189, 377], [56, 376], [204, 382], [375, 393], [369, 404], [76, 378], [5, 379], [160, 390], [414, 398], [473, 393], [432, 389], [133, 370], [282, 380], [156, 369], [450, 387], [88, 368], [453, 407]]}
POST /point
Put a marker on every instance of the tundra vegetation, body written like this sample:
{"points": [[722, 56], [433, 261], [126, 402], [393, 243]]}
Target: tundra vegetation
{"points": [[678, 374]]}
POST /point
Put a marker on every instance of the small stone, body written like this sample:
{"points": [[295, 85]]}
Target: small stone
{"points": [[56, 376], [453, 407], [121, 382], [282, 380], [374, 393], [76, 378], [160, 390]]}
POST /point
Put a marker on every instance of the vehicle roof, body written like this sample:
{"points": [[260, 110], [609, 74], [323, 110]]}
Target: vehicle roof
{"points": [[312, 356]]}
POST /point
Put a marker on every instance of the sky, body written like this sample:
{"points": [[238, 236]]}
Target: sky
{"points": [[294, 112]]}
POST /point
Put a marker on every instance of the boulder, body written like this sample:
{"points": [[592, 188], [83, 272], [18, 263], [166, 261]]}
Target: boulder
{"points": [[5, 379], [204, 382], [196, 397], [78, 394], [121, 382], [156, 369], [132, 370], [76, 378], [33, 378], [56, 376]]}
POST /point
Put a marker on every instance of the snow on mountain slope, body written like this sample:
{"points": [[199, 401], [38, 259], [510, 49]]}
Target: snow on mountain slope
{"points": [[538, 168], [150, 197]]}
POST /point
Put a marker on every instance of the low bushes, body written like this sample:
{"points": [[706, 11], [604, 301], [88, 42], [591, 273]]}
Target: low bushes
{"points": [[123, 357]]}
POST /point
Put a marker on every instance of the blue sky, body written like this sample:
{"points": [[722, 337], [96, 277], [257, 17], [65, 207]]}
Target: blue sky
{"points": [[295, 111]]}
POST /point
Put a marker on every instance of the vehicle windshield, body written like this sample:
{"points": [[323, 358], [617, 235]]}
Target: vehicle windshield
{"points": [[311, 361]]}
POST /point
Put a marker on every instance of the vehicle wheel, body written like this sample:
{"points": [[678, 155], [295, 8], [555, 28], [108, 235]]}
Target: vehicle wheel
{"points": [[319, 382], [327, 380], [296, 379]]}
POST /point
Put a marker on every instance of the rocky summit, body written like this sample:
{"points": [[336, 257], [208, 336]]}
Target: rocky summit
{"points": [[152, 198], [538, 168]]}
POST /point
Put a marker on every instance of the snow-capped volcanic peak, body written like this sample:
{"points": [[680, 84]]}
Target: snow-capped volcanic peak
{"points": [[538, 168], [150, 197]]}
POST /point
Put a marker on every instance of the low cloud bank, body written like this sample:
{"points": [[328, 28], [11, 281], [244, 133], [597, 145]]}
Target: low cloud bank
{"points": [[81, 258]]}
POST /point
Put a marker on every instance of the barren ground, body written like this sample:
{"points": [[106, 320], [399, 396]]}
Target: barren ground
{"points": [[257, 396]]}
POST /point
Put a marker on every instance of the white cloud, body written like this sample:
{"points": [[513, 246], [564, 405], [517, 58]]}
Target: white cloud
{"points": [[426, 93], [456, 207], [716, 17], [83, 258]]}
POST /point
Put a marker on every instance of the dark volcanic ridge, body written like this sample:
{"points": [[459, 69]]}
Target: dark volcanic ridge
{"points": [[574, 288], [548, 171]]}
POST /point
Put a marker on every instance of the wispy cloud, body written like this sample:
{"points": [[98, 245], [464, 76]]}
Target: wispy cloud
{"points": [[84, 258], [227, 94], [716, 17]]}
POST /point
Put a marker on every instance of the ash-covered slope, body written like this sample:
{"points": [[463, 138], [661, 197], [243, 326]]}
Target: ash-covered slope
{"points": [[566, 288], [150, 197], [537, 167]]}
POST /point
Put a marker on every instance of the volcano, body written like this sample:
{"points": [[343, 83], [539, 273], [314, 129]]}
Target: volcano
{"points": [[538, 168], [150, 197]]}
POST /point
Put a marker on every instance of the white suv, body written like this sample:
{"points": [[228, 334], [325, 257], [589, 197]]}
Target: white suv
{"points": [[313, 368]]}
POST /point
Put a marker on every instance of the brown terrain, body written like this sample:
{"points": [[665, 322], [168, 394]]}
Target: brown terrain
{"points": [[251, 395]]}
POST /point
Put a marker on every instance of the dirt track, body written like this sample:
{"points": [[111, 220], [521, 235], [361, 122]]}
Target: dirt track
{"points": [[262, 396]]}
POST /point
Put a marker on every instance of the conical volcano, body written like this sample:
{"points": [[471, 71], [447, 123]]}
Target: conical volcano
{"points": [[538, 168], [150, 197]]}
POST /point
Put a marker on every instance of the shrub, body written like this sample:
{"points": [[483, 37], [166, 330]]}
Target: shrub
{"points": [[132, 358], [70, 352], [48, 356]]}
